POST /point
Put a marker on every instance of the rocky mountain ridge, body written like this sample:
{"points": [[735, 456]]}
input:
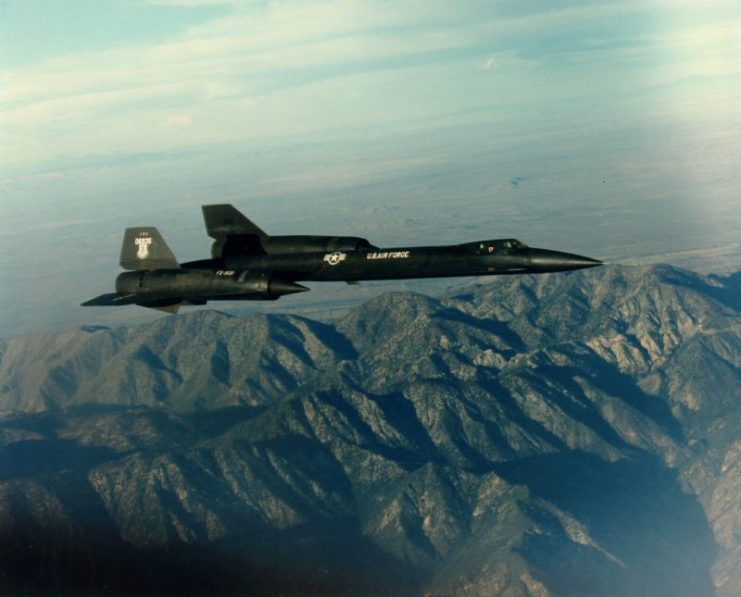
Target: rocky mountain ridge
{"points": [[565, 434]]}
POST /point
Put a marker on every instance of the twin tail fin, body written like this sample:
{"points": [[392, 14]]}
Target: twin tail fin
{"points": [[144, 249]]}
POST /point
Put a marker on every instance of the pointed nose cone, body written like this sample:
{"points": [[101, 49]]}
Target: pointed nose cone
{"points": [[543, 260], [283, 287]]}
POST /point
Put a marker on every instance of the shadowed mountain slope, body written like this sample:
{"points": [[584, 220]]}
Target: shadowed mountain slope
{"points": [[554, 435]]}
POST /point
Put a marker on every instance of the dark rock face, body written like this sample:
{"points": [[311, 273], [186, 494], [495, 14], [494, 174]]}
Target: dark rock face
{"points": [[560, 435]]}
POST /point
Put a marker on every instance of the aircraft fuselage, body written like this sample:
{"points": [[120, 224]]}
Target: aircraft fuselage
{"points": [[247, 264], [398, 263]]}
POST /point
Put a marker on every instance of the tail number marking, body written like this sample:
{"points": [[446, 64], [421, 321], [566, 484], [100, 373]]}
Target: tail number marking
{"points": [[143, 244]]}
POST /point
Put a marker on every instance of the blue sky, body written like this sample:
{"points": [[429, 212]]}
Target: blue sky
{"points": [[398, 120], [37, 30], [88, 79]]}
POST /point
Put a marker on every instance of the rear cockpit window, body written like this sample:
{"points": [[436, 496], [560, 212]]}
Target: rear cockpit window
{"points": [[513, 243], [489, 247]]}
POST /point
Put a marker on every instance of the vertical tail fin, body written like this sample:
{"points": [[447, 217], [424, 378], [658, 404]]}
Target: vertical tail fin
{"points": [[225, 220], [144, 248], [234, 233]]}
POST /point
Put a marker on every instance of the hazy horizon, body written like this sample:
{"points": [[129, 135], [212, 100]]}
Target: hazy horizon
{"points": [[592, 128]]}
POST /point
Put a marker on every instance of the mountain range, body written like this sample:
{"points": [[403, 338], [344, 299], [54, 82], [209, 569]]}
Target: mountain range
{"points": [[566, 434]]}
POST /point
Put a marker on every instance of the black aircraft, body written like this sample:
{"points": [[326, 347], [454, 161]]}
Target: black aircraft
{"points": [[247, 264]]}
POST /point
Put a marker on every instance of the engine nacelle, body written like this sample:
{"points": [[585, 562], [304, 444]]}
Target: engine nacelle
{"points": [[261, 287], [205, 285], [236, 245]]}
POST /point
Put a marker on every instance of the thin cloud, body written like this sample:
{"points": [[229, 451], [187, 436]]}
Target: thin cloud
{"points": [[507, 60], [300, 68]]}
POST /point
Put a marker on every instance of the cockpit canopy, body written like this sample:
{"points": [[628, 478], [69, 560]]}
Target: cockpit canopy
{"points": [[487, 247]]}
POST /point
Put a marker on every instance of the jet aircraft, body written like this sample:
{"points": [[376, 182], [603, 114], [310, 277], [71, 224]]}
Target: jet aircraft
{"points": [[248, 264]]}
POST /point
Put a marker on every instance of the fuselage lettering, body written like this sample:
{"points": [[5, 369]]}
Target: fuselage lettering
{"points": [[389, 255]]}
